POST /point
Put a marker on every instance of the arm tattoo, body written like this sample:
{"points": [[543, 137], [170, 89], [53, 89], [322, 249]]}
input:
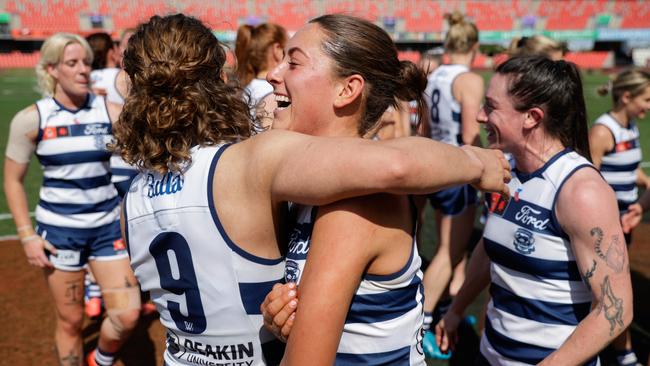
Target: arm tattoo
{"points": [[614, 256], [611, 306], [590, 273]]}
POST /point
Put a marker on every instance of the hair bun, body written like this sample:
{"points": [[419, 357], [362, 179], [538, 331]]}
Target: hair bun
{"points": [[455, 18], [413, 81]]}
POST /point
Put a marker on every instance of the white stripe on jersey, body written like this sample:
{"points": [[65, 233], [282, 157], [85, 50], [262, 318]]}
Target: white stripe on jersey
{"points": [[76, 171], [77, 221], [531, 287], [68, 195]]}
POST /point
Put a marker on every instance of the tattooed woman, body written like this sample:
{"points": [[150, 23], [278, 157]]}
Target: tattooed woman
{"points": [[556, 247]]}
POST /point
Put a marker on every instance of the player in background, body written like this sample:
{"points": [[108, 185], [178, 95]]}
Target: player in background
{"points": [[454, 94], [537, 45], [258, 49], [77, 215], [554, 253], [234, 193], [616, 151]]}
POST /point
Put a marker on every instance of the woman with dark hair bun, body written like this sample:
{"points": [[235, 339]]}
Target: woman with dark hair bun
{"points": [[204, 217], [553, 253]]}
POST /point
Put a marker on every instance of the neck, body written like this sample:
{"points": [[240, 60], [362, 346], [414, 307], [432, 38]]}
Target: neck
{"points": [[70, 101], [261, 75], [620, 116], [461, 58], [536, 152]]}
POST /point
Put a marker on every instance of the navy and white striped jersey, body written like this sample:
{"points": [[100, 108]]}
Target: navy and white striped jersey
{"points": [[384, 322], [537, 293], [444, 111], [619, 165], [207, 289], [77, 193]]}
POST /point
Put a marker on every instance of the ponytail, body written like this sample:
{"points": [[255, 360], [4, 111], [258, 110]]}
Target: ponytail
{"points": [[413, 81], [245, 70]]}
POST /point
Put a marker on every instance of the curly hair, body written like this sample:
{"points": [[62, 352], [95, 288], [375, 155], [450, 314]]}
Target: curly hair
{"points": [[177, 98]]}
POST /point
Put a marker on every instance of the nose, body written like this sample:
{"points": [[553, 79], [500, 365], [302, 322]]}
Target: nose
{"points": [[481, 117], [276, 74]]}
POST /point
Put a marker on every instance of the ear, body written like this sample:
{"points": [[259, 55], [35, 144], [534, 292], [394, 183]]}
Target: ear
{"points": [[533, 118], [626, 97], [52, 71], [349, 89]]}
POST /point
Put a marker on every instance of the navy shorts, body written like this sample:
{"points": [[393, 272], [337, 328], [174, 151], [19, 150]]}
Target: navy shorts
{"points": [[76, 246], [454, 200]]}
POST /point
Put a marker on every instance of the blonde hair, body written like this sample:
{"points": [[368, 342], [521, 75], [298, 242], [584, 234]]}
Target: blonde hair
{"points": [[535, 45], [52, 53], [461, 35], [634, 81]]}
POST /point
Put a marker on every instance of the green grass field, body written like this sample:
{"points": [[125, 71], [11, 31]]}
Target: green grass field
{"points": [[18, 90]]}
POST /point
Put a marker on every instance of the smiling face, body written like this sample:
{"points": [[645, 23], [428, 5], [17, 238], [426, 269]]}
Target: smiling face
{"points": [[503, 124], [637, 107], [305, 85], [72, 72]]}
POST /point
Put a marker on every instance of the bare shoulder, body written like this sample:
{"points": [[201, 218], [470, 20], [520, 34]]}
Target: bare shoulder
{"points": [[469, 79], [601, 134], [114, 110], [29, 113], [584, 196], [378, 210]]}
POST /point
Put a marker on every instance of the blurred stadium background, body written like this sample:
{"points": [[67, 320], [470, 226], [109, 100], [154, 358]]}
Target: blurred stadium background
{"points": [[602, 36]]}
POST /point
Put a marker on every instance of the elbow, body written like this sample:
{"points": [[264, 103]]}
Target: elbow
{"points": [[397, 172]]}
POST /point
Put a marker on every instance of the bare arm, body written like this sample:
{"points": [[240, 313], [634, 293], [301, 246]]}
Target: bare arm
{"points": [[587, 210], [600, 142], [478, 277], [468, 89], [338, 255], [319, 170]]}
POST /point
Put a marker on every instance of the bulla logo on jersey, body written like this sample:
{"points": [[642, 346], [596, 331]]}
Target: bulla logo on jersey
{"points": [[168, 184], [528, 216]]}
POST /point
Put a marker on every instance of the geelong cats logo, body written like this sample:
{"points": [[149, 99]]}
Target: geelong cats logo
{"points": [[524, 241]]}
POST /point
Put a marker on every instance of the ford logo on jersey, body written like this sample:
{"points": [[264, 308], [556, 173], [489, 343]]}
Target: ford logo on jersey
{"points": [[96, 129], [528, 216], [291, 271], [524, 241]]}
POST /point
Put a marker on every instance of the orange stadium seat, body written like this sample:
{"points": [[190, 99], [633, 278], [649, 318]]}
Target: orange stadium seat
{"points": [[634, 14]]}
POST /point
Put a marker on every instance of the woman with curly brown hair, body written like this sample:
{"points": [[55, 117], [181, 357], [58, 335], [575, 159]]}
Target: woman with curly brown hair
{"points": [[204, 217]]}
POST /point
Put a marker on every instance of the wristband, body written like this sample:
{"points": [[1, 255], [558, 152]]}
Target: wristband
{"points": [[29, 238]]}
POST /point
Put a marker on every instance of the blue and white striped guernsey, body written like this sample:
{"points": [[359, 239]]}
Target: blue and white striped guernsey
{"points": [[444, 111], [538, 296], [384, 322], [77, 193], [619, 165], [207, 289]]}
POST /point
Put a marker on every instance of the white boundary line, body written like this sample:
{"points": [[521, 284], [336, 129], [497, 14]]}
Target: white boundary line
{"points": [[5, 239]]}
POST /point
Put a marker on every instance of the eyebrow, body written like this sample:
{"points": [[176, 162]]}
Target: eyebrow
{"points": [[293, 50], [491, 101]]}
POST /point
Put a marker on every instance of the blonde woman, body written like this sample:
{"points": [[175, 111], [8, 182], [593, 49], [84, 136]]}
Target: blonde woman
{"points": [[78, 212]]}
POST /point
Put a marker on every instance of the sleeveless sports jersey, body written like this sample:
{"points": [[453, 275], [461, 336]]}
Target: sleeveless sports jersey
{"points": [[384, 323], [619, 165], [444, 110], [207, 289], [105, 79], [255, 91], [77, 193], [537, 293], [121, 173]]}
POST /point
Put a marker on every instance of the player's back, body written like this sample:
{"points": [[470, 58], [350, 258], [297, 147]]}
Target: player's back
{"points": [[444, 109], [207, 289]]}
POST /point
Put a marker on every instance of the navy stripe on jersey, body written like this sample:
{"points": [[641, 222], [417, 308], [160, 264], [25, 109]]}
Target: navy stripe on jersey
{"points": [[125, 172], [80, 183], [455, 116], [539, 173], [537, 310], [623, 187], [64, 233], [514, 349], [372, 308], [253, 294], [217, 222], [78, 157], [399, 357], [80, 208], [541, 268], [530, 216], [519, 351], [619, 168], [124, 215]]}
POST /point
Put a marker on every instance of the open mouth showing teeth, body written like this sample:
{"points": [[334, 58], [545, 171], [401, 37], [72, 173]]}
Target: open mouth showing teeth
{"points": [[283, 101]]}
